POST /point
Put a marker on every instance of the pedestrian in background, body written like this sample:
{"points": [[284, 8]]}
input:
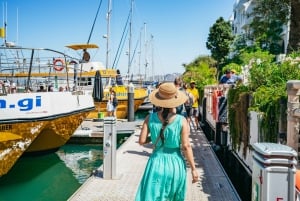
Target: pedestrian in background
{"points": [[111, 107], [189, 103], [195, 107], [180, 109], [86, 56], [226, 77], [230, 77], [165, 173], [119, 79], [235, 77]]}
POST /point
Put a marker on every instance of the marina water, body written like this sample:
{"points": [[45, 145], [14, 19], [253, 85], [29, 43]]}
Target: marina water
{"points": [[49, 177]]}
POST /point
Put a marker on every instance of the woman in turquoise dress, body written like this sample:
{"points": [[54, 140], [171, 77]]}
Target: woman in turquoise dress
{"points": [[164, 177]]}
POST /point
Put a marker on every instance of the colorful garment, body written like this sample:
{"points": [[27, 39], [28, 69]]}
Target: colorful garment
{"points": [[164, 178], [195, 93]]}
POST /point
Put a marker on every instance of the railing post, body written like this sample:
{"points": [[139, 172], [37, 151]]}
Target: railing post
{"points": [[293, 87], [109, 148]]}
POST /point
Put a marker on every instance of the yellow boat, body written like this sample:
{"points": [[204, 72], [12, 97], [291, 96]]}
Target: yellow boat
{"points": [[86, 80], [108, 76], [35, 116]]}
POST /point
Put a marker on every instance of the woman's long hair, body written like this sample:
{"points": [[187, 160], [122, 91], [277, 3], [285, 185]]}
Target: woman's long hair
{"points": [[165, 113]]}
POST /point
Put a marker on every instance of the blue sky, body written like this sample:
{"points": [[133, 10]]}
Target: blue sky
{"points": [[179, 28]]}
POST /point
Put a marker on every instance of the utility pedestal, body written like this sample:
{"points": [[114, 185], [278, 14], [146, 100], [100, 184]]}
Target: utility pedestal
{"points": [[273, 173], [109, 148]]}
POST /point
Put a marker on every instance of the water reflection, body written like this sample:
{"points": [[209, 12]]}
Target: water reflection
{"points": [[81, 160]]}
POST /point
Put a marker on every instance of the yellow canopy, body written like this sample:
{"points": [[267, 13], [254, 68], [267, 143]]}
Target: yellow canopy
{"points": [[82, 46]]}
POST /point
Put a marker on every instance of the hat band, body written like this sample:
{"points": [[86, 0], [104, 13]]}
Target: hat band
{"points": [[165, 96]]}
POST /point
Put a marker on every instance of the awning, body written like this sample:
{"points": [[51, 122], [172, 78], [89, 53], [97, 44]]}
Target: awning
{"points": [[82, 46]]}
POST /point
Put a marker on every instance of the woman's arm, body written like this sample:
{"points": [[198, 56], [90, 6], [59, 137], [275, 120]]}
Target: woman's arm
{"points": [[187, 149], [144, 132]]}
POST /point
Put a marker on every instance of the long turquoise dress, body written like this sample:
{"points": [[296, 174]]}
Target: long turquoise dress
{"points": [[164, 178]]}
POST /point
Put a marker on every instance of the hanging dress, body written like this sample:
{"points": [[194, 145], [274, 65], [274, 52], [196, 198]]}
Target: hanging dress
{"points": [[164, 177]]}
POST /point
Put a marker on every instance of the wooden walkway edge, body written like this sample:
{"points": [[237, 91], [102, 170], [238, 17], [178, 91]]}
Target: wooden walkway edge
{"points": [[214, 185]]}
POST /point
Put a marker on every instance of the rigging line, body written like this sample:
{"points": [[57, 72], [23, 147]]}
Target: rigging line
{"points": [[136, 46], [94, 23], [122, 48], [121, 41]]}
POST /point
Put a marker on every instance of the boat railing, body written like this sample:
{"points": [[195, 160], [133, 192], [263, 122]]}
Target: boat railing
{"points": [[29, 68]]}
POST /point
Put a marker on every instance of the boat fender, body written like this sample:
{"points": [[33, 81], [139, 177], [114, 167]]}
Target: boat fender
{"points": [[297, 179], [58, 64]]}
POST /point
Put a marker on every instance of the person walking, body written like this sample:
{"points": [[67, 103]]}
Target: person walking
{"points": [[180, 109], [189, 103], [111, 106], [165, 173], [195, 107]]}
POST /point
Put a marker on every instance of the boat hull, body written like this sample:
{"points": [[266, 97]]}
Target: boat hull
{"points": [[38, 122], [37, 136], [56, 133]]}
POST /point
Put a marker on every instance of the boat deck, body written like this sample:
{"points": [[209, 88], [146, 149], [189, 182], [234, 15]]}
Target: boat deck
{"points": [[214, 185]]}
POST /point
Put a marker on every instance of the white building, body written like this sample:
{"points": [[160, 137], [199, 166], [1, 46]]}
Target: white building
{"points": [[241, 20]]}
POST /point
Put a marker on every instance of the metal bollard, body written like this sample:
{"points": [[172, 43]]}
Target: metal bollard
{"points": [[109, 148], [130, 106]]}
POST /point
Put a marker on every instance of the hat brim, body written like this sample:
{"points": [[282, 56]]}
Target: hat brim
{"points": [[156, 100]]}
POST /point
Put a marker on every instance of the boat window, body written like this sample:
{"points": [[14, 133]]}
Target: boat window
{"points": [[85, 81]]}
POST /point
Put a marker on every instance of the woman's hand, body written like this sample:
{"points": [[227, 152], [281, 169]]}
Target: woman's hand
{"points": [[195, 176], [148, 140]]}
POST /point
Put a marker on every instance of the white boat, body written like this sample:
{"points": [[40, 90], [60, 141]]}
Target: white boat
{"points": [[36, 113]]}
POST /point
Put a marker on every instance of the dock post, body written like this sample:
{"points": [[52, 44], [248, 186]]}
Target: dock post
{"points": [[130, 106], [109, 148]]}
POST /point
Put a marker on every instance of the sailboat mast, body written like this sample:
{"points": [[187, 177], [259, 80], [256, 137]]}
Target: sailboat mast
{"points": [[4, 21], [108, 34], [2, 33], [140, 54], [130, 35], [17, 41], [146, 59], [152, 57]]}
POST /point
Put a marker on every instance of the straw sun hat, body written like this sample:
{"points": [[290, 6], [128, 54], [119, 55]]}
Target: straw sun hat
{"points": [[167, 96]]}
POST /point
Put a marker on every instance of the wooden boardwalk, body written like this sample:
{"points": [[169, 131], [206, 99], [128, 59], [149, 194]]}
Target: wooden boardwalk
{"points": [[214, 185]]}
